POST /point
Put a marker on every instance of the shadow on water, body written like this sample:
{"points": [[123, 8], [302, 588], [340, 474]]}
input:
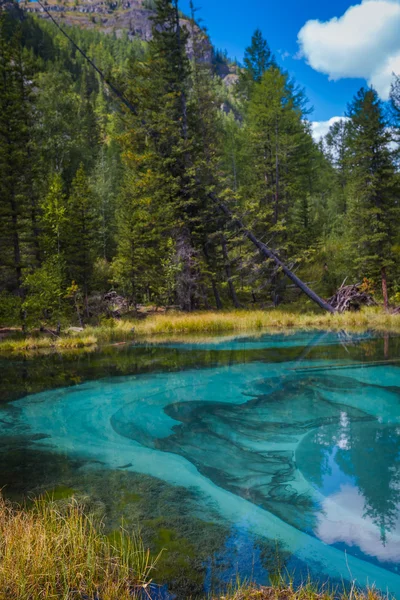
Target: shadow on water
{"points": [[232, 455]]}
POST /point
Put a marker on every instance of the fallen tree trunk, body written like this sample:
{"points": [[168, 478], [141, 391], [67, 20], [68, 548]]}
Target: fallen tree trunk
{"points": [[351, 297], [268, 253]]}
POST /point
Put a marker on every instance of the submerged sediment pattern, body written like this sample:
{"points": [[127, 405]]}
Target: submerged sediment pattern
{"points": [[302, 451]]}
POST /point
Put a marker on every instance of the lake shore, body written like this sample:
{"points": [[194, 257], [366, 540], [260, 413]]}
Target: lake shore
{"points": [[55, 549], [308, 591], [159, 326]]}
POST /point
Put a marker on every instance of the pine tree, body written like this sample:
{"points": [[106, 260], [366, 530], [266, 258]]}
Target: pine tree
{"points": [[207, 132], [395, 116], [374, 193], [276, 148], [278, 172], [64, 142], [257, 59], [54, 217], [137, 267], [15, 162], [337, 143], [81, 243], [161, 143]]}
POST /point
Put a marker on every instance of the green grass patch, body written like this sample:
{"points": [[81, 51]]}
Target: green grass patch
{"points": [[55, 550]]}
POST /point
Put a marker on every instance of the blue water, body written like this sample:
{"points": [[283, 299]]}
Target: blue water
{"points": [[285, 442]]}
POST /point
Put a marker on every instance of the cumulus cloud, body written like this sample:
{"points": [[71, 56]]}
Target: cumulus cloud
{"points": [[320, 128], [363, 42], [343, 519]]}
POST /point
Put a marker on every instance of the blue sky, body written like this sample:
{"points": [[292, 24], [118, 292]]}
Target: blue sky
{"points": [[353, 42]]}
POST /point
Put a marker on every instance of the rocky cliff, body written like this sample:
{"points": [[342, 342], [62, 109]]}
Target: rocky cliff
{"points": [[109, 16], [119, 16]]}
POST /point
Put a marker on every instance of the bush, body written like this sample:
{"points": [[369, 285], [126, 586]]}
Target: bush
{"points": [[10, 310]]}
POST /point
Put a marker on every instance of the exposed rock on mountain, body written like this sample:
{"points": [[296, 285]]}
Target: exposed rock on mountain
{"points": [[109, 16]]}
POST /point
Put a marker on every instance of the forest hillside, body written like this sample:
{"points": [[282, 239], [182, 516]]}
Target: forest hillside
{"points": [[104, 209]]}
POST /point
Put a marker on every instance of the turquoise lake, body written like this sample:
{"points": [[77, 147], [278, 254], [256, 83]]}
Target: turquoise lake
{"points": [[239, 456]]}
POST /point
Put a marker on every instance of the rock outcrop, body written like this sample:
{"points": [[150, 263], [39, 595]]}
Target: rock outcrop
{"points": [[109, 16]]}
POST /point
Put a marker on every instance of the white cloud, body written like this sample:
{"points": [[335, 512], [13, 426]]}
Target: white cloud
{"points": [[321, 128], [343, 519], [363, 42]]}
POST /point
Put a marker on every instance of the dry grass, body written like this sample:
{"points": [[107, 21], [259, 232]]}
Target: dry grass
{"points": [[58, 552], [307, 591], [55, 551], [207, 323], [252, 321]]}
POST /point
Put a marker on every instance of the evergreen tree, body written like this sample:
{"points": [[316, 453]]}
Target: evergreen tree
{"points": [[207, 132], [54, 217], [161, 143], [64, 142], [106, 196], [277, 154], [16, 235], [81, 243], [337, 143], [141, 247], [257, 59], [374, 193], [44, 303], [395, 116]]}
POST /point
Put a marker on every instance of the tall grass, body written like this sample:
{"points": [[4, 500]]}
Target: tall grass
{"points": [[218, 322], [207, 323], [31, 343], [58, 552], [54, 551], [282, 590], [272, 320]]}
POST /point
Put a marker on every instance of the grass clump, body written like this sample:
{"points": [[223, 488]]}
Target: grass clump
{"points": [[306, 591], [32, 343], [57, 551], [271, 320]]}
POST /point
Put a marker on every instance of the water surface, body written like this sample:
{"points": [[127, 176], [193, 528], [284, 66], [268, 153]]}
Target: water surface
{"points": [[239, 456]]}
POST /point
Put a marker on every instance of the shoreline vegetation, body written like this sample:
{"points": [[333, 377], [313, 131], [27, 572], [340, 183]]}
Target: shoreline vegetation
{"points": [[156, 327], [307, 591], [56, 549]]}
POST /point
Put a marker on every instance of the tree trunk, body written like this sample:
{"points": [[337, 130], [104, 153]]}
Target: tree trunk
{"points": [[16, 245], [217, 297], [276, 210], [228, 271], [205, 297], [186, 280], [385, 289], [183, 95], [267, 253]]}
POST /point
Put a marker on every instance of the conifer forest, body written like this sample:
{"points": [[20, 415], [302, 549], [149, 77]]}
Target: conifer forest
{"points": [[139, 177]]}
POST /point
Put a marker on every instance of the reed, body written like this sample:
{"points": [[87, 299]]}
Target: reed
{"points": [[54, 551]]}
